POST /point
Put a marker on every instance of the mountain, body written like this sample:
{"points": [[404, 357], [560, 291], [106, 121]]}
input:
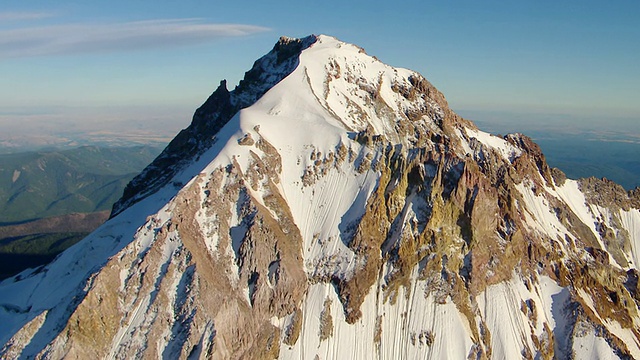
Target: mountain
{"points": [[332, 206]]}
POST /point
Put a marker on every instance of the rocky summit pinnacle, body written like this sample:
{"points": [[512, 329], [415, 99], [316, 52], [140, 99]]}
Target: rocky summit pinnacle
{"points": [[332, 206]]}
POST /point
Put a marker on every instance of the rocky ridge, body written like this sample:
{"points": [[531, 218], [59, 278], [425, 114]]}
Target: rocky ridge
{"points": [[333, 206]]}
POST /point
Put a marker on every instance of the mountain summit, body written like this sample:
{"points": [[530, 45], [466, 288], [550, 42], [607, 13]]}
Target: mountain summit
{"points": [[332, 206]]}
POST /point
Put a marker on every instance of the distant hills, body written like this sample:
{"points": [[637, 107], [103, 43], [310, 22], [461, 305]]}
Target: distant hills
{"points": [[39, 184], [49, 200]]}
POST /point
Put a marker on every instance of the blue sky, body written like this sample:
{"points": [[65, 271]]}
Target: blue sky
{"points": [[567, 57]]}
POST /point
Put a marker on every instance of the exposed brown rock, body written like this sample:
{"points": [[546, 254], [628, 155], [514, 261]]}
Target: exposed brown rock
{"points": [[634, 198], [558, 176], [246, 140], [292, 332], [605, 193], [326, 321]]}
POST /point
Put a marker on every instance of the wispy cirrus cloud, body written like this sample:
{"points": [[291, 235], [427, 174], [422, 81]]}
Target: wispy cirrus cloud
{"points": [[116, 37], [6, 16]]}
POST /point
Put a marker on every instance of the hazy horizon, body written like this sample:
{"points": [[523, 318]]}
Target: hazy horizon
{"points": [[550, 57], [123, 73]]}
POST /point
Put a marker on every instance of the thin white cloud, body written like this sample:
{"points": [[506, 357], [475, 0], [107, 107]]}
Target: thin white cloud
{"points": [[6, 16], [97, 38]]}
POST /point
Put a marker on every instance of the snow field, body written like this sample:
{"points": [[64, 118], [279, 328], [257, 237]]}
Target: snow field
{"points": [[416, 326], [631, 222], [539, 215], [571, 195], [588, 346], [347, 342], [504, 148], [500, 306], [413, 326]]}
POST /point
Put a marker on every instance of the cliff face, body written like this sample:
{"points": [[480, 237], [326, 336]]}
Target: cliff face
{"points": [[332, 206]]}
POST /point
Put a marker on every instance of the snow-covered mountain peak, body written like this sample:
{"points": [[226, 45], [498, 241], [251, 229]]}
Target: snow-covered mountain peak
{"points": [[332, 206], [354, 91], [360, 91]]}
